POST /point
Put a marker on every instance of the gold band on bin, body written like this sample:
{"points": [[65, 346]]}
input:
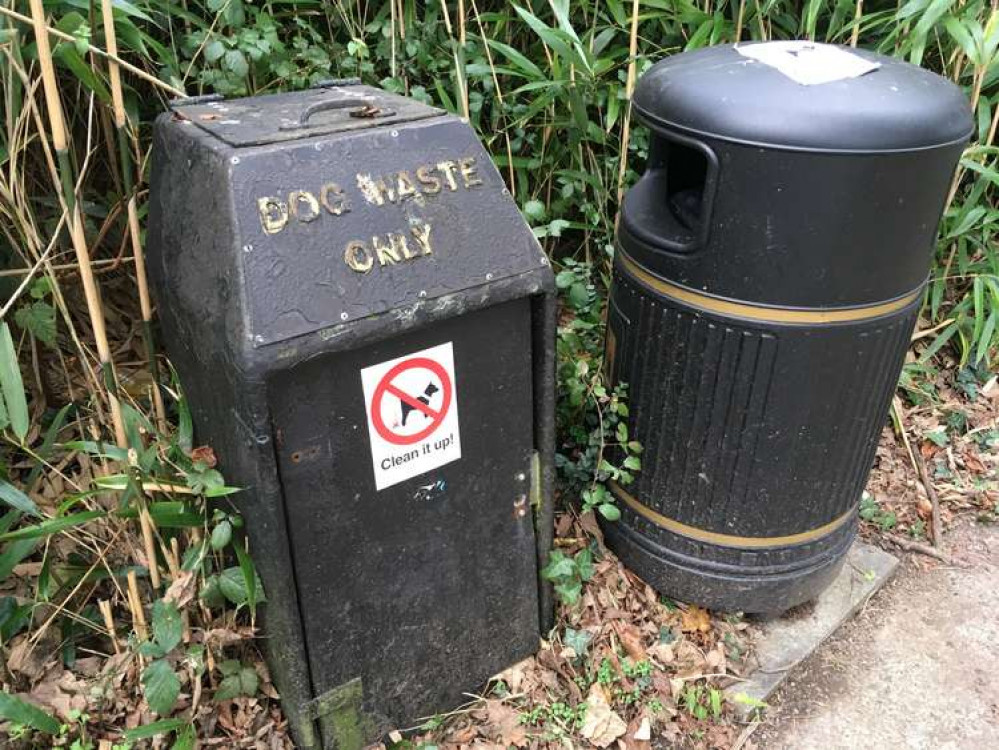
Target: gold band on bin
{"points": [[727, 540], [761, 312]]}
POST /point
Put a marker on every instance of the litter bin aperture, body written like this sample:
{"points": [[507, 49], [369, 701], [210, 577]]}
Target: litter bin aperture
{"points": [[364, 327], [770, 265]]}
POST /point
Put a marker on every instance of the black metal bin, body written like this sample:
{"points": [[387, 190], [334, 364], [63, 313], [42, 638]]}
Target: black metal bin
{"points": [[364, 327], [770, 265]]}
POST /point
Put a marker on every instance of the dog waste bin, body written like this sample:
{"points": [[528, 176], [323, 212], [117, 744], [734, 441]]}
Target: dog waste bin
{"points": [[364, 327], [770, 265]]}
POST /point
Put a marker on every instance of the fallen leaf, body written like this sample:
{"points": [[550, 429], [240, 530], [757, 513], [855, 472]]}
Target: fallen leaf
{"points": [[504, 724], [181, 591], [204, 454], [631, 640], [644, 731], [601, 726], [695, 619]]}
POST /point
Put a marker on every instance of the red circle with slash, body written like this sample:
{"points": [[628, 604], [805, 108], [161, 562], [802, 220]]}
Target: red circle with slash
{"points": [[386, 385]]}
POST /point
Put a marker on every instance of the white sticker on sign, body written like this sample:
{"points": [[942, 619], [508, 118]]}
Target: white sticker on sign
{"points": [[412, 407], [809, 63]]}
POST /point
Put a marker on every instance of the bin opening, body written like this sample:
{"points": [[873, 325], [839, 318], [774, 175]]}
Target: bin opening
{"points": [[686, 175]]}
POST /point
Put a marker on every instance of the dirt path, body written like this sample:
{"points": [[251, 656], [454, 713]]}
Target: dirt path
{"points": [[917, 668]]}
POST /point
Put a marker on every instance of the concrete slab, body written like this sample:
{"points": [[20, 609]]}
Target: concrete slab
{"points": [[788, 640]]}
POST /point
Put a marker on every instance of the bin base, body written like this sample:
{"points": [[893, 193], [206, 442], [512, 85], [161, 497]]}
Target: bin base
{"points": [[768, 590]]}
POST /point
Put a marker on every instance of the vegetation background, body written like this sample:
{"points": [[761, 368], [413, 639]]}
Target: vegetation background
{"points": [[126, 599]]}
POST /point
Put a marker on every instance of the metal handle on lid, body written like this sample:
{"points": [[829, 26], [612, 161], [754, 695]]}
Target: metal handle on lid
{"points": [[340, 102]]}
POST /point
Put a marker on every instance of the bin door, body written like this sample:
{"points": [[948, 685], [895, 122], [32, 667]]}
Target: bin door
{"points": [[422, 586]]}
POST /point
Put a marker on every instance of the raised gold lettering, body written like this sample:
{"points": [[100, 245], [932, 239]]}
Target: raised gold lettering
{"points": [[390, 253], [298, 199], [333, 200], [404, 187], [358, 257], [375, 191], [447, 167], [431, 183], [421, 234], [469, 171], [273, 214]]}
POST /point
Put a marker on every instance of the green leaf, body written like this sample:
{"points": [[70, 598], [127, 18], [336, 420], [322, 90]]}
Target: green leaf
{"points": [[534, 210], [568, 592], [579, 296], [52, 526], [185, 426], [577, 640], [241, 680], [14, 618], [250, 580], [151, 730], [161, 686], [13, 553], [185, 739], [98, 450], [11, 384], [221, 535], [235, 62], [214, 51], [167, 625], [14, 709], [38, 319], [633, 462], [559, 566], [232, 584], [609, 511], [17, 499]]}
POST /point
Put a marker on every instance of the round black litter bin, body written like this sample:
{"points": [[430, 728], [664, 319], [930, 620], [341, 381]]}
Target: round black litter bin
{"points": [[769, 268]]}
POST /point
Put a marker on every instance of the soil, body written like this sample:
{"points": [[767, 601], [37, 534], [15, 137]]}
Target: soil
{"points": [[917, 668]]}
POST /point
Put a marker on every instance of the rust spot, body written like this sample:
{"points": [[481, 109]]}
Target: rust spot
{"points": [[305, 454], [368, 110]]}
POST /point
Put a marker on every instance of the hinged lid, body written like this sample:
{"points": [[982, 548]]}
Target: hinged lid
{"points": [[274, 118]]}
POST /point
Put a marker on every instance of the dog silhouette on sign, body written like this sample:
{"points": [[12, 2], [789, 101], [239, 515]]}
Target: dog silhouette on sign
{"points": [[428, 392]]}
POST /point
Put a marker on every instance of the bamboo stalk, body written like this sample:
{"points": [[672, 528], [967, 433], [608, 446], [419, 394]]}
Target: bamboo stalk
{"points": [[11, 272], [458, 67], [138, 72], [149, 545], [135, 605], [121, 125], [105, 607], [857, 15], [57, 125], [402, 21], [629, 88]]}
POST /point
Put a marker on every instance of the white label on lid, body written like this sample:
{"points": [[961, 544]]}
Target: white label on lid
{"points": [[809, 63]]}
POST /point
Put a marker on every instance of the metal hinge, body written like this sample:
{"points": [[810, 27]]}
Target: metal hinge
{"points": [[535, 494]]}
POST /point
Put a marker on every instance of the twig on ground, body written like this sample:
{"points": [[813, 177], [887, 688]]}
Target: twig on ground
{"points": [[912, 545], [924, 477], [936, 526], [745, 734]]}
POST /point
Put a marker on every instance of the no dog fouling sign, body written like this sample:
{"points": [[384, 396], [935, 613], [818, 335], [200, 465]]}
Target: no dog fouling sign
{"points": [[412, 408]]}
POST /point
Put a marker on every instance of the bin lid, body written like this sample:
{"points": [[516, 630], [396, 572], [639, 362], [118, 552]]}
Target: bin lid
{"points": [[803, 95], [275, 118]]}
